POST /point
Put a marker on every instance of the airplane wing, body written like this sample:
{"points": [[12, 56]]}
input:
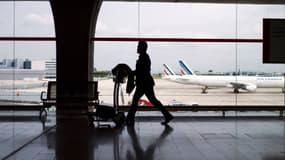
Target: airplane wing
{"points": [[243, 85]]}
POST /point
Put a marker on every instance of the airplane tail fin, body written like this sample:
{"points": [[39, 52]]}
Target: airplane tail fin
{"points": [[185, 70], [168, 70]]}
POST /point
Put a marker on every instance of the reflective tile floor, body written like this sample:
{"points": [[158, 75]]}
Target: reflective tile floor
{"points": [[185, 138], [19, 128]]}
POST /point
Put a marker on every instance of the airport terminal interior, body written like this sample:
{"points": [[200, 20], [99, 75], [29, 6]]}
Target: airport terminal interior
{"points": [[217, 65]]}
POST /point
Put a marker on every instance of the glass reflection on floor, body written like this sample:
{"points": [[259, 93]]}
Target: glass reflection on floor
{"points": [[129, 142]]}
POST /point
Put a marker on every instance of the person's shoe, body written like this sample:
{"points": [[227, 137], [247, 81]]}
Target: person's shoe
{"points": [[167, 119]]}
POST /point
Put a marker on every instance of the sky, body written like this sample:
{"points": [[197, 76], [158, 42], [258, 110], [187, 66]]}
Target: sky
{"points": [[165, 20]]}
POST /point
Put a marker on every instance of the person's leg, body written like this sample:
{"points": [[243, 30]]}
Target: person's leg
{"points": [[151, 97], [131, 114]]}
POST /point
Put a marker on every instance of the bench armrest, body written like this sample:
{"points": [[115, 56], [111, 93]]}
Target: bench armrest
{"points": [[42, 95]]}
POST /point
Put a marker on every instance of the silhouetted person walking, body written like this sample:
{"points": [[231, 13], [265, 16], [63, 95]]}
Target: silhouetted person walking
{"points": [[144, 85]]}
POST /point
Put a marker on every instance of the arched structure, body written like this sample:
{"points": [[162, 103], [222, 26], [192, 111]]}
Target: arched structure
{"points": [[75, 23]]}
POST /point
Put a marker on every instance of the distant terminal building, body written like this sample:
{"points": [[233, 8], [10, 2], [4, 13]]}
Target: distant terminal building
{"points": [[27, 64], [50, 69], [16, 64]]}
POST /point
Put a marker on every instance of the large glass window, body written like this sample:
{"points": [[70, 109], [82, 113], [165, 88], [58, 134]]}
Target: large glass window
{"points": [[108, 26], [213, 48], [186, 20], [22, 71], [23, 63], [249, 56]]}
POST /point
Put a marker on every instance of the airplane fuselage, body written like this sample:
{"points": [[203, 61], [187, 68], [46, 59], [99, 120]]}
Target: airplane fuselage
{"points": [[249, 83], [224, 81]]}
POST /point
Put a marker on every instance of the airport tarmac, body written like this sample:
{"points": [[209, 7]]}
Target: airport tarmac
{"points": [[171, 92], [167, 92]]}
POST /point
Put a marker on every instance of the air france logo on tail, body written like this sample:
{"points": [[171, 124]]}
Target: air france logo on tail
{"points": [[167, 70], [185, 69], [182, 72]]}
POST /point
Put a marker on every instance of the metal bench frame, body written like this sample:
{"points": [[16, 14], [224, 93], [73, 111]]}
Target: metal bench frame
{"points": [[49, 97]]}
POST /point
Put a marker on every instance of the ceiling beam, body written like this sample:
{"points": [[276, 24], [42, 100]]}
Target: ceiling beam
{"points": [[193, 1], [212, 1]]}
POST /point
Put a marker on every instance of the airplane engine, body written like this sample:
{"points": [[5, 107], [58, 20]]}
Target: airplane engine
{"points": [[251, 88]]}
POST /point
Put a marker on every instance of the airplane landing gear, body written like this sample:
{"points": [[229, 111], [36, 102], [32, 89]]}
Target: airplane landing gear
{"points": [[204, 90], [236, 90]]}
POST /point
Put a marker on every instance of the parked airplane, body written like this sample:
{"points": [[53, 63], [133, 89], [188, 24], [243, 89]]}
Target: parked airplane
{"points": [[171, 76], [248, 83]]}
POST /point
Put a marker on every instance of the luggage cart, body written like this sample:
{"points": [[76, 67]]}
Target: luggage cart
{"points": [[105, 112]]}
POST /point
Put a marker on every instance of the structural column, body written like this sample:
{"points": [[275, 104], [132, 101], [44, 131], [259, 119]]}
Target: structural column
{"points": [[75, 22]]}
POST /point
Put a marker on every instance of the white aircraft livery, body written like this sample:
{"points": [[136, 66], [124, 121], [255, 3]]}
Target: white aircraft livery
{"points": [[171, 76], [248, 83]]}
